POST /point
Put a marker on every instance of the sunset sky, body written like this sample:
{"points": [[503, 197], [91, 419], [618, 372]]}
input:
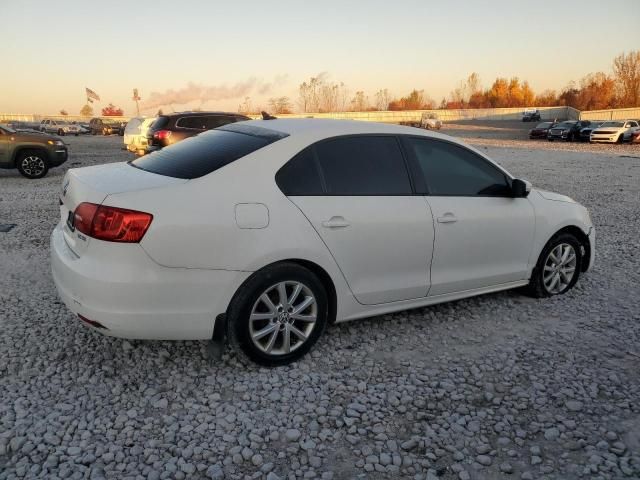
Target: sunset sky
{"points": [[52, 50]]}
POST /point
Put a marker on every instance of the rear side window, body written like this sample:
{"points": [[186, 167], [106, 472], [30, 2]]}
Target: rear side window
{"points": [[205, 153], [363, 165], [300, 175], [444, 169], [195, 123], [215, 121]]}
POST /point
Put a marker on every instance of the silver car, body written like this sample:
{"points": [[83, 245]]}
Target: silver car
{"points": [[60, 127]]}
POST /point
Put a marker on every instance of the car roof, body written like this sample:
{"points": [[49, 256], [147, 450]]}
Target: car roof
{"points": [[323, 128], [197, 113]]}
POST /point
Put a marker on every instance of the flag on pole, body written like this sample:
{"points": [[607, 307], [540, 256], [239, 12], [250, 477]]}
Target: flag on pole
{"points": [[91, 94], [136, 96]]}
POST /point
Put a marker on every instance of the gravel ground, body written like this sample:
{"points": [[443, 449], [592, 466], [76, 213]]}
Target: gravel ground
{"points": [[499, 386]]}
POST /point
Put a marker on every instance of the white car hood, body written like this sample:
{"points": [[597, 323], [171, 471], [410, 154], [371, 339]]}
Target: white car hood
{"points": [[556, 197]]}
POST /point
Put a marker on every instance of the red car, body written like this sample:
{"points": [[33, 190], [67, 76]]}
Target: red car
{"points": [[541, 130]]}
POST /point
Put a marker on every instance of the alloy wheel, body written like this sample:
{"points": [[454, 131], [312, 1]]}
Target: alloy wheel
{"points": [[559, 268], [283, 318], [33, 165]]}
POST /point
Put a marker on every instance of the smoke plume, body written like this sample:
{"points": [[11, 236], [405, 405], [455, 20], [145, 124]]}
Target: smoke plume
{"points": [[194, 92]]}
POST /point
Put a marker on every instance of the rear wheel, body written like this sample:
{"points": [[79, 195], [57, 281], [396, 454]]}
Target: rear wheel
{"points": [[558, 267], [278, 314], [32, 164]]}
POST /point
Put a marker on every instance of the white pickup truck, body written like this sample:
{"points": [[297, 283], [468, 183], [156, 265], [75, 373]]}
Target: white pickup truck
{"points": [[429, 121], [60, 127]]}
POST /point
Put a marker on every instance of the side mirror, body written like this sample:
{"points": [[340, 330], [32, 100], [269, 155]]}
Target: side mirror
{"points": [[520, 188]]}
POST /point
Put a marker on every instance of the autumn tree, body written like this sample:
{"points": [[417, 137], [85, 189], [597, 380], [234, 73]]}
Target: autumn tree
{"points": [[86, 111], [626, 70], [112, 111], [416, 100], [597, 91], [547, 98]]}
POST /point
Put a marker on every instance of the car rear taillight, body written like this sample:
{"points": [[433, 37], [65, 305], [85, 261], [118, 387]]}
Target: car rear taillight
{"points": [[162, 134], [111, 224]]}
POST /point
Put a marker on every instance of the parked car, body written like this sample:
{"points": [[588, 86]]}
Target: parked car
{"points": [[135, 134], [171, 128], [269, 230], [60, 127], [585, 133], [104, 126], [635, 137], [531, 115], [612, 131], [541, 130], [568, 130], [32, 153], [630, 133], [430, 121]]}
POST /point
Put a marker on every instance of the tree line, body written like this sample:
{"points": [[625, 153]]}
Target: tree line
{"points": [[595, 91]]}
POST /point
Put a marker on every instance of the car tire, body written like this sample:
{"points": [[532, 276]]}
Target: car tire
{"points": [[32, 164], [551, 267], [60, 132], [620, 138], [261, 297], [550, 139]]}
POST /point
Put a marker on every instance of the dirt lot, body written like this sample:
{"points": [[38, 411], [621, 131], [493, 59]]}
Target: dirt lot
{"points": [[499, 386]]}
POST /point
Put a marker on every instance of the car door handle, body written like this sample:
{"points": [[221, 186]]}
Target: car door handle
{"points": [[335, 222], [447, 218]]}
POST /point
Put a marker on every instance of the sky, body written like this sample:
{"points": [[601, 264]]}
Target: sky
{"points": [[260, 49]]}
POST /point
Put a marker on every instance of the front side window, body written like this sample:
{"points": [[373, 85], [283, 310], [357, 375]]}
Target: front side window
{"points": [[444, 169], [363, 165]]}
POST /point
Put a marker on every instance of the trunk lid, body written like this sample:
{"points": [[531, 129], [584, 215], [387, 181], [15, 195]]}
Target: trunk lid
{"points": [[93, 184]]}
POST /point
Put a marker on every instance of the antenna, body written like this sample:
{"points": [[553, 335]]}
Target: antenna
{"points": [[266, 116]]}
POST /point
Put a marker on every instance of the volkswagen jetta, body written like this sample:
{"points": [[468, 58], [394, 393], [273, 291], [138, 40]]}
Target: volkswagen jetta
{"points": [[269, 230]]}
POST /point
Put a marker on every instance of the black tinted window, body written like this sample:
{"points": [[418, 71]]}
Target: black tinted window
{"points": [[159, 123], [442, 168], [300, 175], [196, 123], [215, 121], [363, 165], [202, 154]]}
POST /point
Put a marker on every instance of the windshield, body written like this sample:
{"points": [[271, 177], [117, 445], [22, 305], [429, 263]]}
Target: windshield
{"points": [[7, 129], [544, 125], [613, 124], [566, 124]]}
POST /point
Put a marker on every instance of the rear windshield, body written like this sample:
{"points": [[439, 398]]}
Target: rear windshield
{"points": [[205, 153], [159, 123], [544, 125]]}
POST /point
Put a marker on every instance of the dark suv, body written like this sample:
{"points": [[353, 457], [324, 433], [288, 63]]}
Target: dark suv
{"points": [[169, 129], [568, 130]]}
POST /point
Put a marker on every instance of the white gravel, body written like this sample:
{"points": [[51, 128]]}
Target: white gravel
{"points": [[500, 386]]}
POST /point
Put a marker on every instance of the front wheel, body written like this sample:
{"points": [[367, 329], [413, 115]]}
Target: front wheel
{"points": [[558, 267], [32, 164], [620, 138], [61, 132], [278, 314]]}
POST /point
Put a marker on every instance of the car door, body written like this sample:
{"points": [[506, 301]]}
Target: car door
{"points": [[4, 146], [356, 192], [483, 236]]}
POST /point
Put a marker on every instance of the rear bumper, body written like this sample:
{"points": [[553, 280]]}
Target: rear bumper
{"points": [[131, 296], [592, 246]]}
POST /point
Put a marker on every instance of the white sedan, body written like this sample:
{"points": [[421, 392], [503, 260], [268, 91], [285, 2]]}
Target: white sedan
{"points": [[612, 131], [267, 231]]}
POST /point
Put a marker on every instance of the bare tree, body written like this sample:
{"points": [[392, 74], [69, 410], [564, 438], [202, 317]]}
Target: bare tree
{"points": [[383, 98], [626, 69], [360, 102], [280, 105]]}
